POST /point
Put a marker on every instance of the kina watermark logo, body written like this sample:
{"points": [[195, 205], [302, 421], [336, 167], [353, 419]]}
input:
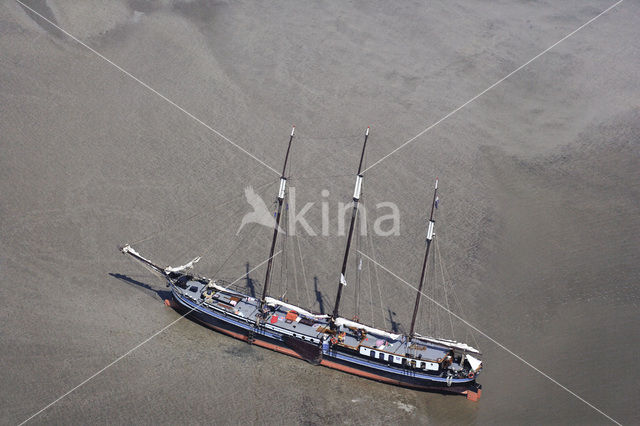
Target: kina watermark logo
{"points": [[386, 221], [260, 213]]}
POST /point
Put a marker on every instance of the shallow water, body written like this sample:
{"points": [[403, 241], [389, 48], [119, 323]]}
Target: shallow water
{"points": [[538, 223]]}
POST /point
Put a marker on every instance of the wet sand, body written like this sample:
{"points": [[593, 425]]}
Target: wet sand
{"points": [[539, 220]]}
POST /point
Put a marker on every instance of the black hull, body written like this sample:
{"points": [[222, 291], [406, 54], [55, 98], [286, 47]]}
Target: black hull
{"points": [[343, 360]]}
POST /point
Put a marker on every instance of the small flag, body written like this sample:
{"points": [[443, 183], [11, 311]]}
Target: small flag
{"points": [[343, 280], [437, 202]]}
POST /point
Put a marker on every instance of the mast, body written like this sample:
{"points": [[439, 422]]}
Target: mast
{"points": [[356, 199], [430, 235], [281, 191]]}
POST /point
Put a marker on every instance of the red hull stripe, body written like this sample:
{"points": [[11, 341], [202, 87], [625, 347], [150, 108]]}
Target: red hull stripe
{"points": [[258, 342], [357, 372], [330, 364]]}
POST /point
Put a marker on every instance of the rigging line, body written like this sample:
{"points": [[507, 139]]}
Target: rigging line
{"points": [[151, 89], [301, 178], [283, 283], [97, 373], [323, 297], [503, 347], [356, 287], [362, 219], [371, 303], [295, 276], [455, 296], [284, 242], [304, 274], [211, 246], [295, 271], [302, 137], [359, 270], [430, 290], [435, 316], [284, 276], [204, 211], [370, 275], [249, 233], [207, 251], [421, 308], [436, 295], [428, 307], [375, 270], [493, 85], [377, 278], [291, 237], [444, 288], [284, 279], [358, 262], [359, 219], [147, 267]]}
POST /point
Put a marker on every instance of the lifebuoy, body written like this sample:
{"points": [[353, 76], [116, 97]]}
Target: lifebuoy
{"points": [[471, 375], [334, 341]]}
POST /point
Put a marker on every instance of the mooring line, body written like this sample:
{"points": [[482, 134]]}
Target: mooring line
{"points": [[145, 85], [493, 85], [97, 373], [518, 357]]}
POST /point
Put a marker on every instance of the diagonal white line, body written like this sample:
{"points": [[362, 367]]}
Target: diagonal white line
{"points": [[132, 350], [151, 89], [518, 357], [493, 85]]}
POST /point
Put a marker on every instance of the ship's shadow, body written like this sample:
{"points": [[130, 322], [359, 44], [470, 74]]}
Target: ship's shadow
{"points": [[162, 294], [319, 296], [396, 326], [251, 283]]}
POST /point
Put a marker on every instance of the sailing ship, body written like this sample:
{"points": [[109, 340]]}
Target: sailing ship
{"points": [[409, 360]]}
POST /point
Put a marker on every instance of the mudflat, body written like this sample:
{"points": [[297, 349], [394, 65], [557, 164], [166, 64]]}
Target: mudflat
{"points": [[538, 224]]}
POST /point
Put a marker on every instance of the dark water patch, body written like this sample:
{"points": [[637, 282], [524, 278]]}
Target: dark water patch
{"points": [[43, 9], [311, 415], [244, 352]]}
